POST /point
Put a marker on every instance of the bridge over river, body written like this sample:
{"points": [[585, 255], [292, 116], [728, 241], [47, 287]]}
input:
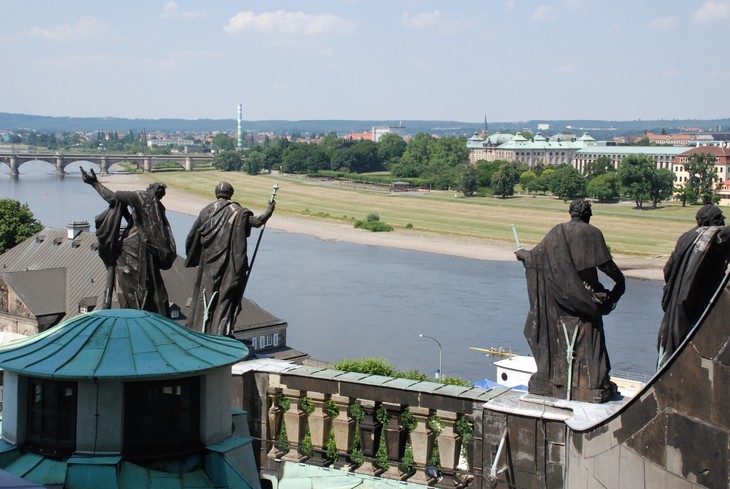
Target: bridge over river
{"points": [[61, 160]]}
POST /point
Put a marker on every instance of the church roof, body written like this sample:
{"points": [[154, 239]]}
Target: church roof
{"points": [[118, 344]]}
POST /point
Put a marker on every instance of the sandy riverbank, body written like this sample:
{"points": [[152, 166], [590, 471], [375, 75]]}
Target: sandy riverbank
{"points": [[475, 248]]}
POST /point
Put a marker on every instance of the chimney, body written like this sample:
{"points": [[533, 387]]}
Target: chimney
{"points": [[77, 227]]}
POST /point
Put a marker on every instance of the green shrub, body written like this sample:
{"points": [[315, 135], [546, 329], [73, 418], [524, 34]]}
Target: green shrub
{"points": [[372, 366], [374, 226]]}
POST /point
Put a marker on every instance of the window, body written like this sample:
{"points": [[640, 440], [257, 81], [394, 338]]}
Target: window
{"points": [[162, 417], [268, 341], [51, 417]]}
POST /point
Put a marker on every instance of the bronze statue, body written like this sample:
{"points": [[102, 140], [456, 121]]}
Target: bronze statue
{"points": [[217, 245], [692, 274], [135, 253], [564, 327]]}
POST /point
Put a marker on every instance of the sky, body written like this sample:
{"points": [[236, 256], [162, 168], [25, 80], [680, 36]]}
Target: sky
{"points": [[383, 60]]}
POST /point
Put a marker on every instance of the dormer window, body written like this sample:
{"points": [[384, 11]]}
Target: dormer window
{"points": [[87, 304]]}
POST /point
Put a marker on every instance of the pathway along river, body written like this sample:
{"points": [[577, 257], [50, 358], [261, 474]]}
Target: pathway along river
{"points": [[345, 300]]}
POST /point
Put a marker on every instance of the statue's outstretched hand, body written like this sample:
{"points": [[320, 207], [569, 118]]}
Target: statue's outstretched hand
{"points": [[272, 205], [89, 178], [521, 254]]}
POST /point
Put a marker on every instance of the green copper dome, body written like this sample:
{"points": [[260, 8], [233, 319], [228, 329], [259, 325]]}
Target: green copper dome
{"points": [[119, 343]]}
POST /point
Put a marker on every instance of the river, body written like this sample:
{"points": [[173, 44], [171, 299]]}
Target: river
{"points": [[344, 300]]}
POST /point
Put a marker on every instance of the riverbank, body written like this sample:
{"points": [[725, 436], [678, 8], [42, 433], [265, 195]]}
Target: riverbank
{"points": [[475, 248]]}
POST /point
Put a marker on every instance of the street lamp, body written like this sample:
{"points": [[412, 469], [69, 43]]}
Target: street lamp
{"points": [[441, 372]]}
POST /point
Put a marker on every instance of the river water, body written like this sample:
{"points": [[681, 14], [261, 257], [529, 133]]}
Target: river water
{"points": [[345, 300]]}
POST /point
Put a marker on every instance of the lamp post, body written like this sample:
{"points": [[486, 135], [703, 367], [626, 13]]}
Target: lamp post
{"points": [[441, 372]]}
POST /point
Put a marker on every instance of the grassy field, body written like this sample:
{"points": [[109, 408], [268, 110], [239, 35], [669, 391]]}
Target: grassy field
{"points": [[628, 231]]}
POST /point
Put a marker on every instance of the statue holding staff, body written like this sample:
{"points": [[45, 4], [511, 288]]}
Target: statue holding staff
{"points": [[217, 246], [564, 327]]}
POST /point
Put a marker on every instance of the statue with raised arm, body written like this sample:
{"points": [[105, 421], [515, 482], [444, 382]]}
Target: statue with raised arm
{"points": [[217, 246], [134, 252], [692, 274], [564, 327]]}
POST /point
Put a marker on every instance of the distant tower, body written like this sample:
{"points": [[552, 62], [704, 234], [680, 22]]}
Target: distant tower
{"points": [[240, 127], [486, 129]]}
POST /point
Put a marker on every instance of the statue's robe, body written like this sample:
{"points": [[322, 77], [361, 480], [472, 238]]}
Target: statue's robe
{"points": [[217, 245], [566, 297], [692, 274], [136, 253]]}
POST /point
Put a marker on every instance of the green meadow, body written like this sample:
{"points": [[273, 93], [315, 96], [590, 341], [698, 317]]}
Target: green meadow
{"points": [[646, 232]]}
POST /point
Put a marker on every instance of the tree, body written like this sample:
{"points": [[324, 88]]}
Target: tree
{"points": [[485, 170], [635, 174], [274, 152], [294, 158], [603, 164], [702, 175], [16, 223], [228, 161], [505, 179], [604, 187], [468, 180], [253, 162], [390, 147], [223, 142], [568, 183], [526, 179], [662, 186]]}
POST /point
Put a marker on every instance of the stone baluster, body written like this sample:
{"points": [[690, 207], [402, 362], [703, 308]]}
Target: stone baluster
{"points": [[422, 444], [274, 416], [294, 419], [369, 438], [449, 443], [395, 439], [344, 427], [319, 427]]}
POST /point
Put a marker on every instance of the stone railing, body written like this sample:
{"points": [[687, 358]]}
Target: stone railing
{"points": [[420, 432]]}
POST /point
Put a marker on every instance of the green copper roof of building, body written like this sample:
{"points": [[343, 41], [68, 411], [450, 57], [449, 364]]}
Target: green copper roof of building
{"points": [[119, 343]]}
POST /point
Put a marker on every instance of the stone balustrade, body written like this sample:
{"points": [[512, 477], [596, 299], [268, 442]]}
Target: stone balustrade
{"points": [[398, 429]]}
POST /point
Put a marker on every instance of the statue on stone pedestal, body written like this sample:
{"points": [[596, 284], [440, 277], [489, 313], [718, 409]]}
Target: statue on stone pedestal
{"points": [[217, 245], [564, 327], [134, 253], [692, 274]]}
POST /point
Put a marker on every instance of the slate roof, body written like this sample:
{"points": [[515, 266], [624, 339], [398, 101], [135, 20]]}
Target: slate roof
{"points": [[42, 291], [119, 344], [49, 251]]}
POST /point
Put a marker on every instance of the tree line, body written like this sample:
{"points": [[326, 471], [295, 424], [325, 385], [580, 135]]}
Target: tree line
{"points": [[433, 162]]}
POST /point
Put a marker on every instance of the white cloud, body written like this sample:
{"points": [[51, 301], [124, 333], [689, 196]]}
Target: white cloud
{"points": [[171, 11], [433, 20], [286, 23], [569, 68], [511, 5], [86, 28], [664, 23], [712, 11], [544, 13]]}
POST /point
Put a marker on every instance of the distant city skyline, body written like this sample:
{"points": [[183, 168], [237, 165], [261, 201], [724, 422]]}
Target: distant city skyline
{"points": [[395, 60]]}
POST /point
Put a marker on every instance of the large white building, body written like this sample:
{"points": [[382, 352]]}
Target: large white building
{"points": [[379, 131], [556, 150]]}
